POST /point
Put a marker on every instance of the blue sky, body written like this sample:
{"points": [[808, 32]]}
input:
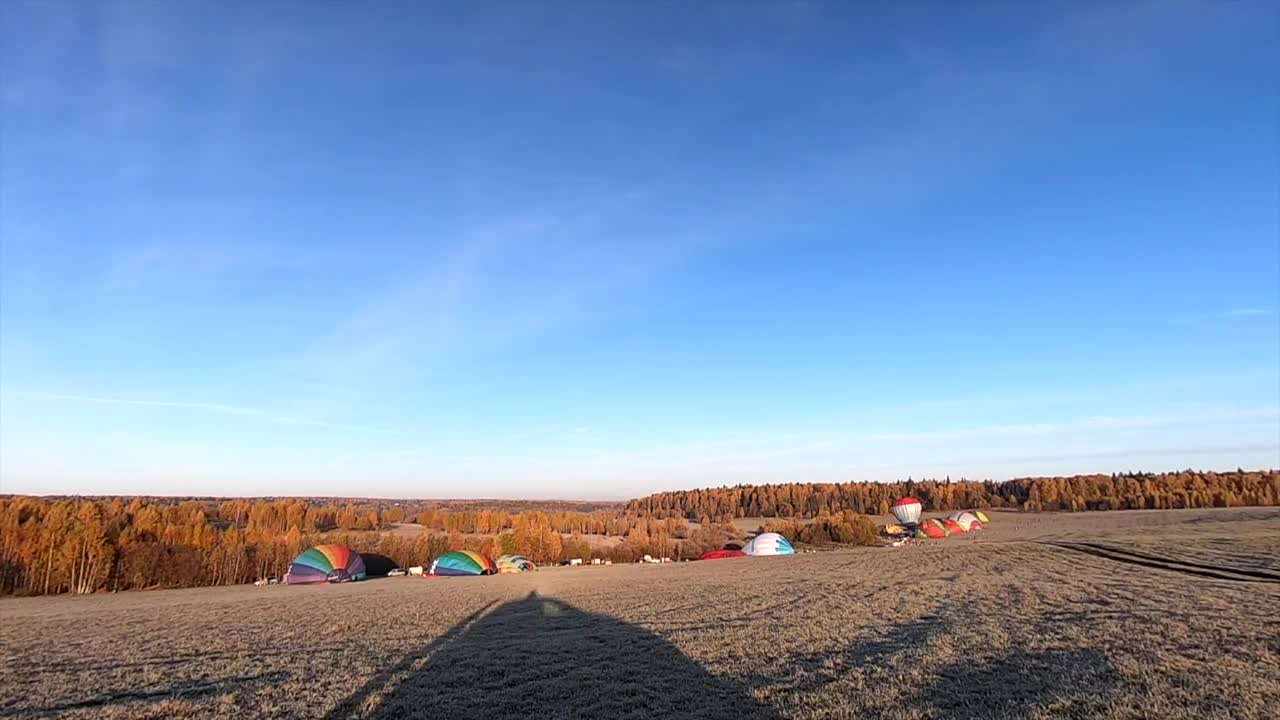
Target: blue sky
{"points": [[596, 250]]}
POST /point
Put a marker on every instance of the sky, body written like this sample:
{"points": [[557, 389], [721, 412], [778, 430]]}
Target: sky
{"points": [[595, 250]]}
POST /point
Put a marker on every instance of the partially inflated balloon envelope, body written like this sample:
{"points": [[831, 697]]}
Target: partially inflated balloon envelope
{"points": [[462, 562], [722, 555], [326, 563], [931, 529], [907, 510], [965, 520], [510, 564], [768, 544]]}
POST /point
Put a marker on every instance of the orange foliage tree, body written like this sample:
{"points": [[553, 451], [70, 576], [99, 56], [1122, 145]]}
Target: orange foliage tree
{"points": [[85, 545]]}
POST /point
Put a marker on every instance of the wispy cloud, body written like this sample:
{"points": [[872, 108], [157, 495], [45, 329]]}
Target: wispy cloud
{"points": [[838, 446], [1233, 314], [1144, 452], [520, 276], [183, 262], [237, 410]]}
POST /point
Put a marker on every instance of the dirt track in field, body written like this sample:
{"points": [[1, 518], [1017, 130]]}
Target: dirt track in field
{"points": [[1120, 615]]}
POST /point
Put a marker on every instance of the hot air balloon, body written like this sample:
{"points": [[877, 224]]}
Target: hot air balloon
{"points": [[907, 510], [946, 531], [965, 520], [953, 526], [510, 564], [326, 563], [462, 562], [768, 544], [722, 555], [931, 529]]}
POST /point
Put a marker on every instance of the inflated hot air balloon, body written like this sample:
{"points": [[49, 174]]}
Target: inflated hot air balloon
{"points": [[462, 562], [326, 563], [953, 526], [907, 510], [722, 555], [768, 544], [511, 564], [982, 517]]}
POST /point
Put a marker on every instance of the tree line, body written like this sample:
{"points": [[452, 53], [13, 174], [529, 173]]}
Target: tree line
{"points": [[1127, 491], [85, 545], [92, 545]]}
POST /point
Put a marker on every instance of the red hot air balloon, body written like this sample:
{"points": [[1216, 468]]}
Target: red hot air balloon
{"points": [[907, 510], [722, 555], [930, 529]]}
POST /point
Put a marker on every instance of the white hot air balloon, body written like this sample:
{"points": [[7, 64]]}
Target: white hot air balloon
{"points": [[907, 510], [964, 519], [768, 544]]}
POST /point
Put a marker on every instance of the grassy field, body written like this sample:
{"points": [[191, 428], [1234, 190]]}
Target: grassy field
{"points": [[1121, 614]]}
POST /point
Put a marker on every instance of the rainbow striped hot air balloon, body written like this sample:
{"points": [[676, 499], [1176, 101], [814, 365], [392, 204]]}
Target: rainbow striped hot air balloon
{"points": [[326, 563], [462, 562], [510, 564]]}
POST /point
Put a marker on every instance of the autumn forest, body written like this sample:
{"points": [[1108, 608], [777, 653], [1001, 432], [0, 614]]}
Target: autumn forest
{"points": [[52, 545]]}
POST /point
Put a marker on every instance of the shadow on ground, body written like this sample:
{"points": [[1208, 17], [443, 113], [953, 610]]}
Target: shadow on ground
{"points": [[1060, 683], [896, 674], [376, 565], [539, 657], [186, 690]]}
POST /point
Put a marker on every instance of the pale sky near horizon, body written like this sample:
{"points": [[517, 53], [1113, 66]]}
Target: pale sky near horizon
{"points": [[592, 251]]}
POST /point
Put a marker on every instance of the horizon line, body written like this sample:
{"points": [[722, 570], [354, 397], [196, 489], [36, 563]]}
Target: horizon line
{"points": [[582, 501]]}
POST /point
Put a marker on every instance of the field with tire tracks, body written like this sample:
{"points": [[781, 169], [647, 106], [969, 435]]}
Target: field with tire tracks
{"points": [[1114, 615]]}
